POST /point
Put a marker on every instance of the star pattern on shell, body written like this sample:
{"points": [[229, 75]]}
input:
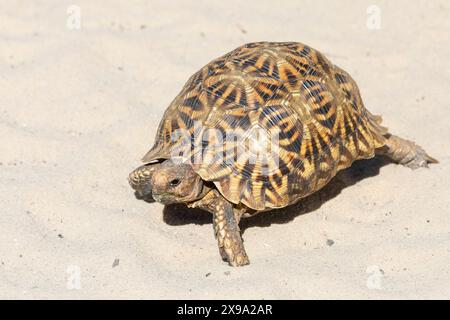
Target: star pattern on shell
{"points": [[257, 92]]}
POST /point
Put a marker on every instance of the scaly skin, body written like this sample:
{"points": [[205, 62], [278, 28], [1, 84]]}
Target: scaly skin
{"points": [[226, 228], [405, 152]]}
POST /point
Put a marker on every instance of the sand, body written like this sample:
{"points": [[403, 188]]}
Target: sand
{"points": [[80, 107]]}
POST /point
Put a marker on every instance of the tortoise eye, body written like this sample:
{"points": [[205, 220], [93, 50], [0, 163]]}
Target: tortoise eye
{"points": [[175, 182]]}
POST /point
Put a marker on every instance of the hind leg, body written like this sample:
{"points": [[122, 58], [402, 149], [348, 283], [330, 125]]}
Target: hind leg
{"points": [[405, 152]]}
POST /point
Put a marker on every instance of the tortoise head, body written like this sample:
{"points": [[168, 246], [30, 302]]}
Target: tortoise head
{"points": [[167, 182]]}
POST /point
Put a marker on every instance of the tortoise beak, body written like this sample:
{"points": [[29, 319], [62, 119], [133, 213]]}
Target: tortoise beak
{"points": [[145, 191]]}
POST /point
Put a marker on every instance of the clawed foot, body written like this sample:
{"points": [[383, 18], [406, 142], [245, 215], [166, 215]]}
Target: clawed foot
{"points": [[406, 152], [419, 159], [235, 256], [239, 260]]}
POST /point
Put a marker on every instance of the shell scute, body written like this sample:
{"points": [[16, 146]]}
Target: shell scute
{"points": [[304, 114]]}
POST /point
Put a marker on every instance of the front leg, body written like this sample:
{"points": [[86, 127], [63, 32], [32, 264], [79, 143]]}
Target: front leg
{"points": [[226, 228]]}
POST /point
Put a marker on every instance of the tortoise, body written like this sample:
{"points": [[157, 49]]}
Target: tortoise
{"points": [[259, 128]]}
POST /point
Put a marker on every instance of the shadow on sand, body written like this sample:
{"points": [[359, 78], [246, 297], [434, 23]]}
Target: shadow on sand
{"points": [[179, 214]]}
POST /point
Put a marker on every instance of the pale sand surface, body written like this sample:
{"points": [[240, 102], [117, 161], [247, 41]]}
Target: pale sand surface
{"points": [[78, 108]]}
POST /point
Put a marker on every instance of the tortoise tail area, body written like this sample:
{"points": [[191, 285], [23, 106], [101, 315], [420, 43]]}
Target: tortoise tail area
{"points": [[364, 141], [398, 149], [377, 131], [360, 132]]}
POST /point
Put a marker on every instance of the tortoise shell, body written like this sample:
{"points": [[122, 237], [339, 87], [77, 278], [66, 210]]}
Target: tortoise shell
{"points": [[266, 91]]}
